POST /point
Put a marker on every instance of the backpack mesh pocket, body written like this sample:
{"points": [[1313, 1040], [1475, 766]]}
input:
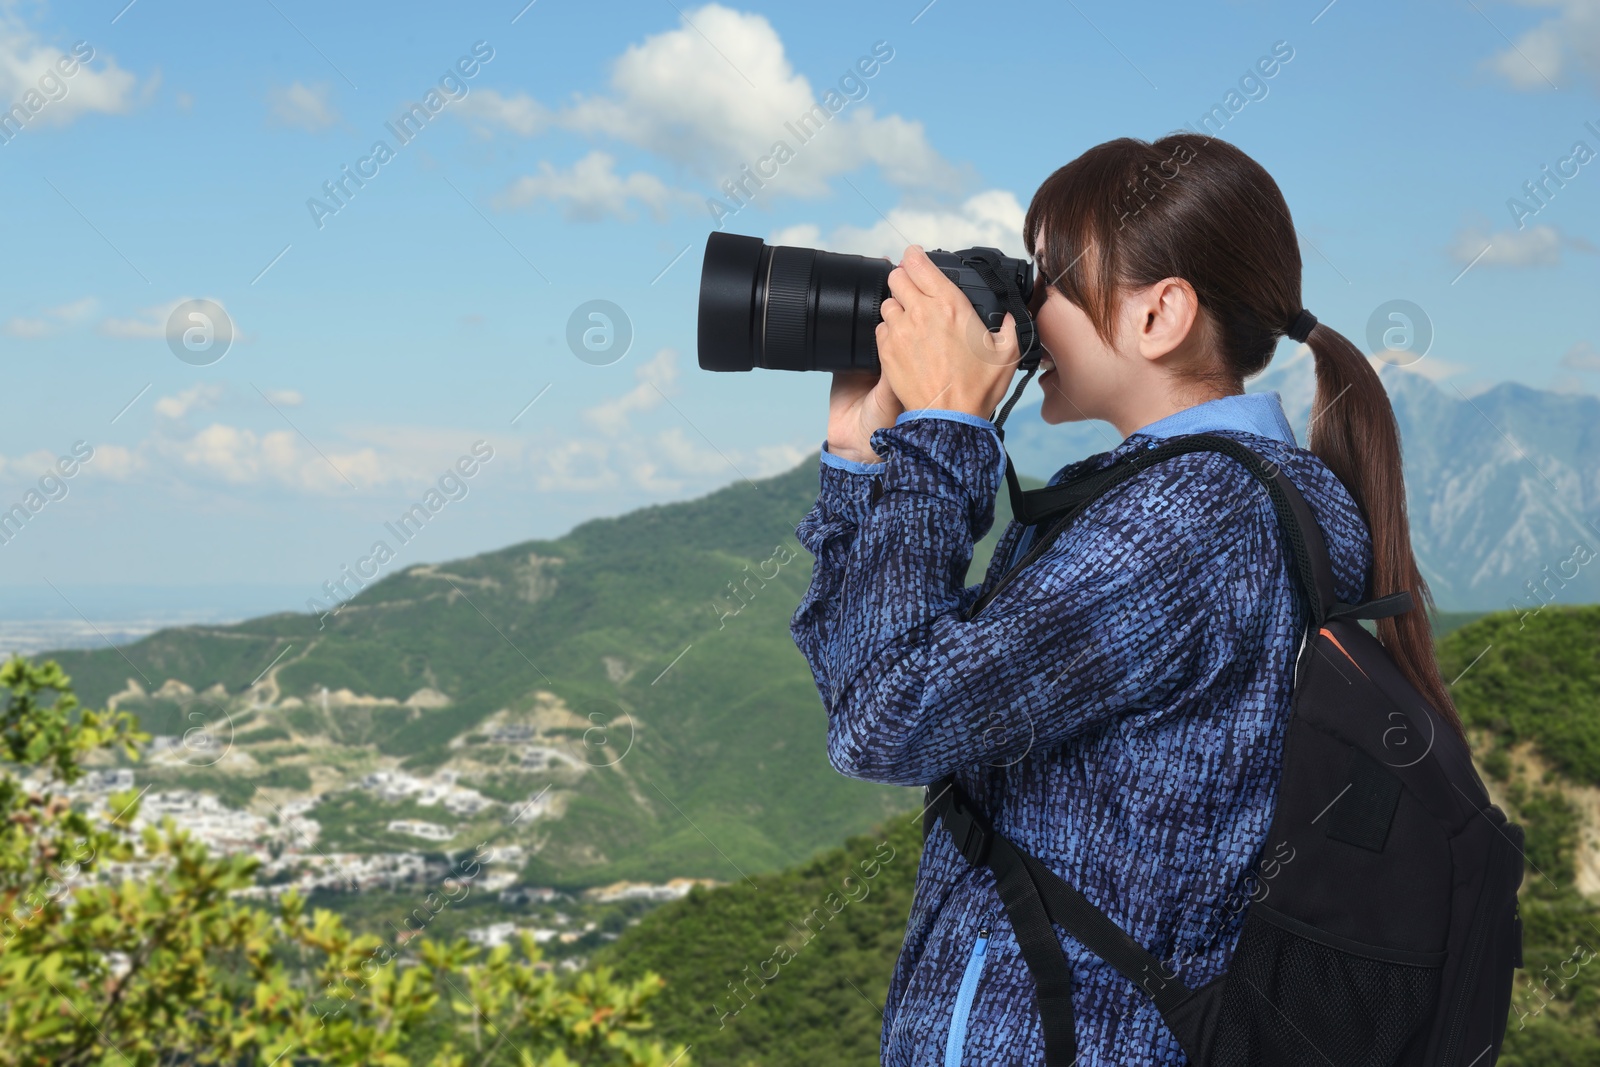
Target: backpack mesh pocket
{"points": [[1295, 995]]}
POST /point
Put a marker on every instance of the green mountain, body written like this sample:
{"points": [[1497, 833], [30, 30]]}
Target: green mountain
{"points": [[793, 968], [636, 675]]}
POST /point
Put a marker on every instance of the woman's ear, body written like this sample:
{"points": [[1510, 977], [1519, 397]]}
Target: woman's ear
{"points": [[1166, 312]]}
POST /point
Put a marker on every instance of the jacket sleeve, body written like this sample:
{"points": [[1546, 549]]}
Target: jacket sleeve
{"points": [[1145, 599]]}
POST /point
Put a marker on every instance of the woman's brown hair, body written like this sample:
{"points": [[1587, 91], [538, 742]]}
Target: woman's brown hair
{"points": [[1130, 213]]}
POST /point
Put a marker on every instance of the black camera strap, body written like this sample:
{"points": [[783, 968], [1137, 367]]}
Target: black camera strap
{"points": [[1032, 507], [999, 420], [1005, 287]]}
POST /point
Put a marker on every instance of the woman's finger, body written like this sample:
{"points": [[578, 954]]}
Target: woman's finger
{"points": [[888, 360], [925, 275], [891, 308], [904, 289]]}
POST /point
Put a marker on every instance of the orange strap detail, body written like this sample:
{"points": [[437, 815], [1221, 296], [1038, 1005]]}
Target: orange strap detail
{"points": [[1329, 635]]}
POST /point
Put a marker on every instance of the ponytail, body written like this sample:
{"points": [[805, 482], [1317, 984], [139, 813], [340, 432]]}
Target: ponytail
{"points": [[1131, 212], [1353, 431]]}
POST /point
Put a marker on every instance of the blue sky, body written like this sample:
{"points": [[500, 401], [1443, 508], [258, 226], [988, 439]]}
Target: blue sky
{"points": [[377, 344]]}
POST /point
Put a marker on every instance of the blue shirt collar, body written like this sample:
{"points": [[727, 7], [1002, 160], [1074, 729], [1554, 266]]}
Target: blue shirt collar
{"points": [[1257, 413]]}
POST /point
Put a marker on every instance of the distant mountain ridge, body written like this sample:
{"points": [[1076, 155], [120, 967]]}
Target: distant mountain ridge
{"points": [[1503, 487]]}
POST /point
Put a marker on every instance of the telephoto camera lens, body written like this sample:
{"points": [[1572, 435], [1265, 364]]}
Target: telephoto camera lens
{"points": [[783, 308]]}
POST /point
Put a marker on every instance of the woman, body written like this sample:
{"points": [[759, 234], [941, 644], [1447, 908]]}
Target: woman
{"points": [[1118, 709]]}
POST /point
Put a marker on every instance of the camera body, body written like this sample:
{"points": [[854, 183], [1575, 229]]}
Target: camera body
{"points": [[784, 308], [959, 267]]}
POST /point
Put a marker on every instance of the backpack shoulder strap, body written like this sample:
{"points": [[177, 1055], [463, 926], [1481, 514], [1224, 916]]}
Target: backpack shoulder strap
{"points": [[1035, 897], [1059, 505]]}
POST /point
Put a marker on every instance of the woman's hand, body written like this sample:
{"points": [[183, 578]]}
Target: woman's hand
{"points": [[859, 404], [934, 350]]}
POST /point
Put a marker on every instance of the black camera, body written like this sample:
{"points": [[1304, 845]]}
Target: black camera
{"points": [[785, 308]]}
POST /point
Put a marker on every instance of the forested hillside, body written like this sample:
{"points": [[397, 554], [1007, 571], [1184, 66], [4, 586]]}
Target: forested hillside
{"points": [[1531, 697], [636, 676]]}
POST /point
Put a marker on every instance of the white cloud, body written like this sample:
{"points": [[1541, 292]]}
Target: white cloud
{"points": [[148, 324], [151, 323], [276, 456], [112, 461], [1533, 247], [32, 77], [78, 309], [306, 107], [668, 460], [992, 218], [240, 456], [32, 328], [683, 96], [237, 455], [1582, 356], [580, 466], [20, 326], [1568, 40], [592, 189], [115, 462], [655, 378], [616, 449], [37, 461], [195, 397], [687, 455], [775, 459], [521, 114], [175, 458]]}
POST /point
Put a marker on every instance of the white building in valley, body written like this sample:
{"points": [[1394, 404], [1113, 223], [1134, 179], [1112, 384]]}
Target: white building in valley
{"points": [[427, 831]]}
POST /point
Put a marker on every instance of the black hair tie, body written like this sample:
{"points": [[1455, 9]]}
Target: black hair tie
{"points": [[1302, 326]]}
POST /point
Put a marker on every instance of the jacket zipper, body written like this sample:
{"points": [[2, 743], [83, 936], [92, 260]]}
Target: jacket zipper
{"points": [[964, 997]]}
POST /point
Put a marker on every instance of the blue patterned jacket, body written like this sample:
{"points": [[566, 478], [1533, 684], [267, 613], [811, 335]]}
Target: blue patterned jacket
{"points": [[1119, 709]]}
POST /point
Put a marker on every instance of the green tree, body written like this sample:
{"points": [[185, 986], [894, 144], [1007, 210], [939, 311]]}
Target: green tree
{"points": [[125, 950]]}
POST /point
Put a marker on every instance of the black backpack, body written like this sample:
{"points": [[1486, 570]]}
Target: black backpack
{"points": [[1392, 931]]}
